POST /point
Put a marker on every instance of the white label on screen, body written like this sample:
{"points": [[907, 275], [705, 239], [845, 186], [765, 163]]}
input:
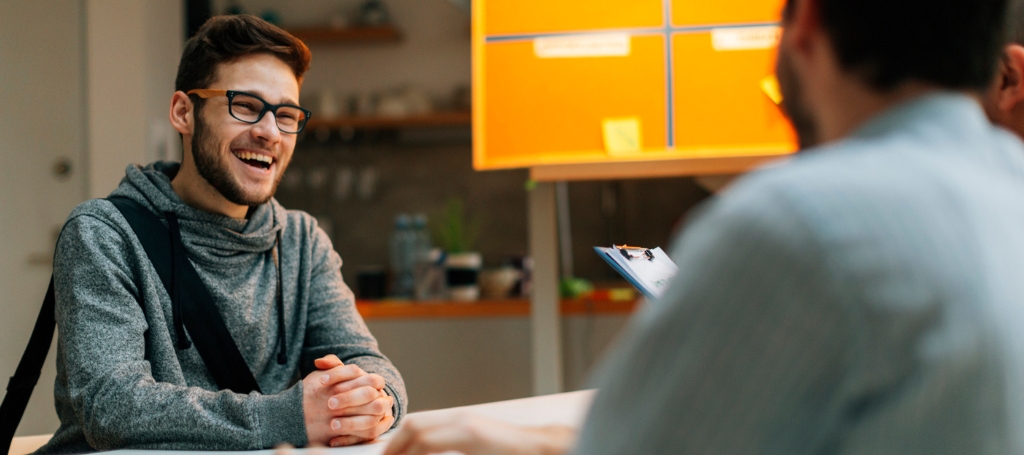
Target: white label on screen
{"points": [[602, 45], [745, 38]]}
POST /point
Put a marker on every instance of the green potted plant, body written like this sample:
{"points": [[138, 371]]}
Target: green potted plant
{"points": [[457, 234]]}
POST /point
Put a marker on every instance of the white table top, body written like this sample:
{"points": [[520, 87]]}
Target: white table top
{"points": [[559, 409]]}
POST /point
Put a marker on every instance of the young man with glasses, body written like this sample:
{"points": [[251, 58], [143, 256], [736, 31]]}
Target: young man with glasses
{"points": [[129, 375]]}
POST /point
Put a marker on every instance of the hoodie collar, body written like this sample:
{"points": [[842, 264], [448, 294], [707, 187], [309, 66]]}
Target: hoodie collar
{"points": [[210, 236]]}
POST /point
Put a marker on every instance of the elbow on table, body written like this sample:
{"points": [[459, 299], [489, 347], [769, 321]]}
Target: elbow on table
{"points": [[105, 433], [109, 419]]}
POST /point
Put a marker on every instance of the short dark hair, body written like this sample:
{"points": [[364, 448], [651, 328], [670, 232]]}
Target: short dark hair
{"points": [[224, 39], [1015, 23], [950, 43]]}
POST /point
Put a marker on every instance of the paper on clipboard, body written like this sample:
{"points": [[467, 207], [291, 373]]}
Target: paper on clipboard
{"points": [[650, 272]]}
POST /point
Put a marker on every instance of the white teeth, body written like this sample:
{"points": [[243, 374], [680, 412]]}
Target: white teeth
{"points": [[255, 157]]}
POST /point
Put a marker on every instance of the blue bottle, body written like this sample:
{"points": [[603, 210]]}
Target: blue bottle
{"points": [[402, 251]]}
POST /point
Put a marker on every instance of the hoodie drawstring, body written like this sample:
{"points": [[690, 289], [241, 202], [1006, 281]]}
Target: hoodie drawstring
{"points": [[282, 355]]}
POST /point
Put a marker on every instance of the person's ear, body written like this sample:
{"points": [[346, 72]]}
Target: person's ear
{"points": [[804, 24], [182, 113], [1010, 82]]}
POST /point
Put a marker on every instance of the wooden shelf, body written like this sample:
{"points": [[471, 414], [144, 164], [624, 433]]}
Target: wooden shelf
{"points": [[383, 34], [399, 309], [413, 121]]}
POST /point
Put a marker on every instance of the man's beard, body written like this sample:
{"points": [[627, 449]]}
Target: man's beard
{"points": [[793, 101], [216, 173]]}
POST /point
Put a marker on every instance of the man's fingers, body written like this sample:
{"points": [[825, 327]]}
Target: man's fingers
{"points": [[352, 398], [365, 435], [378, 407], [338, 374], [327, 362], [353, 424], [384, 425], [377, 430], [367, 380], [347, 440]]}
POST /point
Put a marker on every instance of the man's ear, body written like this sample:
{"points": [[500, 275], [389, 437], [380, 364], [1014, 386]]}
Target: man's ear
{"points": [[1010, 84], [182, 112], [803, 23]]}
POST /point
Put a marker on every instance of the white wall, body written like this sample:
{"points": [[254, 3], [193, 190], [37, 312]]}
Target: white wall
{"points": [[83, 81], [41, 85], [133, 51]]}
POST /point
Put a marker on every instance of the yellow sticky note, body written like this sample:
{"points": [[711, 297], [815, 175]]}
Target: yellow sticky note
{"points": [[622, 135], [770, 87]]}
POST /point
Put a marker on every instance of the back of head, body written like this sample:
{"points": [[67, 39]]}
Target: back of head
{"points": [[1015, 22], [224, 39], [951, 44]]}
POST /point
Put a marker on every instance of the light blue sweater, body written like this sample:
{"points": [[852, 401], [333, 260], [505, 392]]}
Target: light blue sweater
{"points": [[865, 298]]}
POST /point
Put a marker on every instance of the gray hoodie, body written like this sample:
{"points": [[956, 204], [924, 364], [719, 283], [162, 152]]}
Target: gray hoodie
{"points": [[121, 383]]}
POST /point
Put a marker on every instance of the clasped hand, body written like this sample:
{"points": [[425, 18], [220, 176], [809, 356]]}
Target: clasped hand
{"points": [[344, 405]]}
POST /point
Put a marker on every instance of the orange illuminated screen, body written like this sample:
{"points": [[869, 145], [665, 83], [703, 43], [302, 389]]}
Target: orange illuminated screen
{"points": [[545, 16], [548, 109], [719, 102], [533, 111], [718, 12]]}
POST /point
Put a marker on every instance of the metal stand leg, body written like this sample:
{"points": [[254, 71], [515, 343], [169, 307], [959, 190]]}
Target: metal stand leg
{"points": [[545, 320]]}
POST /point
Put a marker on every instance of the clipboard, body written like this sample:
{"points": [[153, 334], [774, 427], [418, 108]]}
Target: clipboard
{"points": [[648, 269]]}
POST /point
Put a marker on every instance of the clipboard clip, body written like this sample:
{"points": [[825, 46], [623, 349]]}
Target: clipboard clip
{"points": [[634, 252]]}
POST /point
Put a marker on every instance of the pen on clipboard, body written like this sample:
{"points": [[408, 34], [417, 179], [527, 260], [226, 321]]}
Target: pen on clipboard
{"points": [[634, 252]]}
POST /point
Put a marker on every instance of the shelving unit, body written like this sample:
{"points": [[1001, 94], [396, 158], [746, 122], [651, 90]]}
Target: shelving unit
{"points": [[381, 34], [433, 119], [399, 309], [328, 35]]}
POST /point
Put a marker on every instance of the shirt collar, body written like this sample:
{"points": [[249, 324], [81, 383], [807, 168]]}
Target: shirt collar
{"points": [[956, 112]]}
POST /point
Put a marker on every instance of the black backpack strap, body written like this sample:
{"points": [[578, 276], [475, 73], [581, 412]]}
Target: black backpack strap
{"points": [[190, 297], [19, 389]]}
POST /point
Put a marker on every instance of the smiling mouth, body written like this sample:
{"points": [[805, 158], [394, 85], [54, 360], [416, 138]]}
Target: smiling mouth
{"points": [[255, 159]]}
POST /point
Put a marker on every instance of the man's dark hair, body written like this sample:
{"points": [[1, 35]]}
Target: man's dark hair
{"points": [[224, 39], [950, 43], [1015, 23]]}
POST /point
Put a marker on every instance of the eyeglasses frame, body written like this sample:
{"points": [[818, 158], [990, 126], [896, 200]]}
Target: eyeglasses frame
{"points": [[206, 93]]}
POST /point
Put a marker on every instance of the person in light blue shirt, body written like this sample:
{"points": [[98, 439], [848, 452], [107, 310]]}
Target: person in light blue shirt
{"points": [[866, 297]]}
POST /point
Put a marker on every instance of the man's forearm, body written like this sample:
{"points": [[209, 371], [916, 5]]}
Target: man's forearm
{"points": [[128, 412]]}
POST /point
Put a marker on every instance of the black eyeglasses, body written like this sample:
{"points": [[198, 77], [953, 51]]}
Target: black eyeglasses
{"points": [[249, 108]]}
